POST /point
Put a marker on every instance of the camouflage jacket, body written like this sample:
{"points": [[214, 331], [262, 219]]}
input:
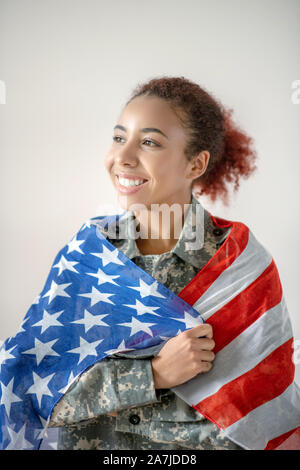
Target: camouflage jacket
{"points": [[146, 418]]}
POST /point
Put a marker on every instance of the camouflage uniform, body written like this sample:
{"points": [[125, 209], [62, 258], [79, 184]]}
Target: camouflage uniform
{"points": [[146, 418]]}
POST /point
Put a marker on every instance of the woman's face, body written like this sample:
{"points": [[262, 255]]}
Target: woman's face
{"points": [[148, 143]]}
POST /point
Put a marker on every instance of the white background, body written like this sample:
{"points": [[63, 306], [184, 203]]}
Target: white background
{"points": [[70, 65]]}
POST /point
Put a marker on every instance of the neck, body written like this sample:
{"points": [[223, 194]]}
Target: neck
{"points": [[160, 226]]}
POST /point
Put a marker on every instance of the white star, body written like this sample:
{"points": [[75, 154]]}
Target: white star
{"points": [[43, 431], [137, 326], [49, 320], [189, 320], [85, 349], [146, 289], [36, 300], [5, 354], [23, 323], [97, 296], [41, 350], [142, 309], [107, 256], [8, 396], [74, 245], [18, 441], [87, 224], [169, 337], [121, 348], [65, 264], [57, 289], [40, 386], [65, 387], [103, 277], [90, 320]]}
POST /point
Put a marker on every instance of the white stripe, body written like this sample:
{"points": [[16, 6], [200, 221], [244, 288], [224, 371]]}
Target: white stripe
{"points": [[243, 353], [268, 421], [245, 269]]}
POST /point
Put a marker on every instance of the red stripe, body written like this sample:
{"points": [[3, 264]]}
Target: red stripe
{"points": [[252, 389], [293, 443], [232, 247], [221, 222], [246, 307]]}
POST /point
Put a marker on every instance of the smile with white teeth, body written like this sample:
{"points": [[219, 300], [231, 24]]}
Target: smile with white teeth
{"points": [[129, 182]]}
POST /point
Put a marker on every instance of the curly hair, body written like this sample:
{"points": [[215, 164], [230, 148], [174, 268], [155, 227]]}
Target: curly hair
{"points": [[209, 126]]}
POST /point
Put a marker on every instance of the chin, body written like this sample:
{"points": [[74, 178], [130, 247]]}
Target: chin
{"points": [[123, 202], [129, 203]]}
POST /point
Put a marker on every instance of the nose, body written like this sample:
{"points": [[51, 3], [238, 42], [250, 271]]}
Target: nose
{"points": [[126, 156]]}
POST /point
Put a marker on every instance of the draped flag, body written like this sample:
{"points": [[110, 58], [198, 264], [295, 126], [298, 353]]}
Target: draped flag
{"points": [[97, 302]]}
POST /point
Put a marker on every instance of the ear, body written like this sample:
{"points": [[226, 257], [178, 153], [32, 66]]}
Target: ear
{"points": [[198, 164]]}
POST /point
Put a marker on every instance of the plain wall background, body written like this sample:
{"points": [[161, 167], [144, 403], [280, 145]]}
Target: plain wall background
{"points": [[70, 65]]}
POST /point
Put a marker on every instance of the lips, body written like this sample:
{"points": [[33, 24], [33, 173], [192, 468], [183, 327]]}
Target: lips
{"points": [[130, 176], [129, 189]]}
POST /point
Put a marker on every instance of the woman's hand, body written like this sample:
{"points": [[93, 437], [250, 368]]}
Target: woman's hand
{"points": [[183, 357]]}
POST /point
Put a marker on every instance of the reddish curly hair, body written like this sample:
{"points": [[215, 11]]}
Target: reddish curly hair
{"points": [[209, 126]]}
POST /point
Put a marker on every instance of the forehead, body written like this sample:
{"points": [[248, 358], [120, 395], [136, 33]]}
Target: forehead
{"points": [[150, 111]]}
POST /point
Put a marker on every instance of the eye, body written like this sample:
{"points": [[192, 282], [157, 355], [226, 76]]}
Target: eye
{"points": [[147, 140], [115, 137]]}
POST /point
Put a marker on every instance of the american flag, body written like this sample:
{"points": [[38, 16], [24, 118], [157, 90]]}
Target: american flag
{"points": [[250, 392], [97, 302]]}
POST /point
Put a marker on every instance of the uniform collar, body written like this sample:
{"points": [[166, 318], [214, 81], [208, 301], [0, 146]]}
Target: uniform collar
{"points": [[185, 246]]}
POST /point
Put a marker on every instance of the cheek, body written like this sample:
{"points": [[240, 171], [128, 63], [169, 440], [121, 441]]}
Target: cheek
{"points": [[108, 161], [158, 169]]}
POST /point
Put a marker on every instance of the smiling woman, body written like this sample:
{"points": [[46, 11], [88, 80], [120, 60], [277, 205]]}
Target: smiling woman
{"points": [[195, 121], [194, 349], [173, 139]]}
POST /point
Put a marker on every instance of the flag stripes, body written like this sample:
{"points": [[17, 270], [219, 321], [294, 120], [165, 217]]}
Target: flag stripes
{"points": [[252, 377], [241, 355], [254, 388], [244, 309], [268, 421]]}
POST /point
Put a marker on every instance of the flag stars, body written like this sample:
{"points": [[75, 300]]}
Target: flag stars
{"points": [[64, 264], [96, 296], [41, 350], [107, 256], [49, 320], [189, 320], [74, 245], [36, 300], [85, 349], [90, 320], [5, 355], [87, 224], [120, 348], [146, 289], [137, 326], [8, 397], [57, 290], [40, 386], [65, 387], [103, 277], [142, 309], [17, 440]]}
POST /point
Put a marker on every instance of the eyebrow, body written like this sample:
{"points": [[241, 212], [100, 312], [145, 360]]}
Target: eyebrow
{"points": [[145, 129]]}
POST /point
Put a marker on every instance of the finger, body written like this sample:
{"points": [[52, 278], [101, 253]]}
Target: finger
{"points": [[203, 344], [204, 329], [205, 366], [206, 356]]}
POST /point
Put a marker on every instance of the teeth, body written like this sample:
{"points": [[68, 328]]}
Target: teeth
{"points": [[129, 182]]}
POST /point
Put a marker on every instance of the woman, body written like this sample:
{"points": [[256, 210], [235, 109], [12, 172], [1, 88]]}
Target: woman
{"points": [[178, 138], [175, 141]]}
